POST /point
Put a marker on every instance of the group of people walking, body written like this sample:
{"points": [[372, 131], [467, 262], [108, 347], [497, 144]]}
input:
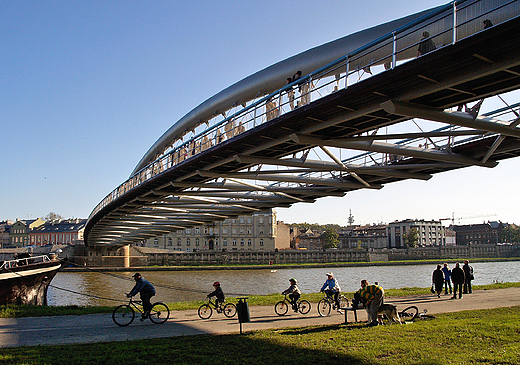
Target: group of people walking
{"points": [[461, 278]]}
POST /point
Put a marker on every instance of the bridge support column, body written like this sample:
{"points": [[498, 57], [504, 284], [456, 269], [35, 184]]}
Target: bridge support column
{"points": [[126, 256]]}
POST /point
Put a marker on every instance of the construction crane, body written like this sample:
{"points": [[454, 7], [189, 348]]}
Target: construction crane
{"points": [[461, 218]]}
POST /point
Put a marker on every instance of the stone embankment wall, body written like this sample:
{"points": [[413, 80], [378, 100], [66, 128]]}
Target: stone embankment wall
{"points": [[145, 257], [348, 255]]}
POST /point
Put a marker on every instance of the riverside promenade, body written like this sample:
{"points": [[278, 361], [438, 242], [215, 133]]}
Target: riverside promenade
{"points": [[58, 330]]}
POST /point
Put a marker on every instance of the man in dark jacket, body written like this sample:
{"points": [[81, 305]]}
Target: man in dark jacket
{"points": [[438, 280], [468, 276], [147, 291], [457, 277]]}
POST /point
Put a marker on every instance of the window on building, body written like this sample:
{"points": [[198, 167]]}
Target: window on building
{"points": [[170, 241], [234, 242], [155, 242], [249, 221], [188, 243], [249, 243], [197, 242], [197, 230], [224, 242], [261, 242], [179, 242], [242, 243]]}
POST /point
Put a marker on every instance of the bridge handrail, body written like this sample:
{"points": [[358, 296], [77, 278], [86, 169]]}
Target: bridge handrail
{"points": [[308, 83]]}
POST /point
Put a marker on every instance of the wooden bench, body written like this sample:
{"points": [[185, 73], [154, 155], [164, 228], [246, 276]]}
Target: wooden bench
{"points": [[351, 309]]}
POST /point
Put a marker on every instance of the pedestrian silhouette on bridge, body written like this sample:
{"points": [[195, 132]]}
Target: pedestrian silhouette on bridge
{"points": [[425, 45]]}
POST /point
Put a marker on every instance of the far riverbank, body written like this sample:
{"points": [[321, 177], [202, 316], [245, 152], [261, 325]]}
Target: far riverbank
{"points": [[77, 268]]}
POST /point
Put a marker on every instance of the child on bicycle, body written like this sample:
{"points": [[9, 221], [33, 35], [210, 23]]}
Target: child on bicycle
{"points": [[294, 293], [219, 294]]}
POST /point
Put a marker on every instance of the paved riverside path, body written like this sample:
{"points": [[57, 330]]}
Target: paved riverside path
{"points": [[15, 332]]}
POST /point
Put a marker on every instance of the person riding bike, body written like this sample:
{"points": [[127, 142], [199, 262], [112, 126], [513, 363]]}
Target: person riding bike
{"points": [[294, 293], [219, 294], [146, 290], [331, 288]]}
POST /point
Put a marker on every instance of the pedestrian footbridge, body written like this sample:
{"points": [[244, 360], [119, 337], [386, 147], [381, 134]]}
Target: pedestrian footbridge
{"points": [[368, 110]]}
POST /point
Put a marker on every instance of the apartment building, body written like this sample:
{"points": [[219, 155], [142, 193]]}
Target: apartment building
{"points": [[430, 233], [58, 232], [257, 232], [19, 235]]}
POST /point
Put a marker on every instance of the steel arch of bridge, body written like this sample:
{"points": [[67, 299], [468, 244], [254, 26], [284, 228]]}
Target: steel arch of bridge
{"points": [[239, 152]]}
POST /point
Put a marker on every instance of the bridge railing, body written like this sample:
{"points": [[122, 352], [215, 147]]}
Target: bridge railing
{"points": [[444, 26]]}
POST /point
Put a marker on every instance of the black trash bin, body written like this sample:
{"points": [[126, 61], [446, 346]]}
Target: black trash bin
{"points": [[243, 310]]}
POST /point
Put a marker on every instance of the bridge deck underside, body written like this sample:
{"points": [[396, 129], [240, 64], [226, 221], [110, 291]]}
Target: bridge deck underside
{"points": [[485, 64]]}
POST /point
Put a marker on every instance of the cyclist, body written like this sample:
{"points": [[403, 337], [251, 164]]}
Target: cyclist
{"points": [[294, 293], [146, 290], [331, 288], [219, 294]]}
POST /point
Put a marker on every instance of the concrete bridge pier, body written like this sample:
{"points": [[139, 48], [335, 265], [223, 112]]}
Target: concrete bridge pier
{"points": [[126, 256]]}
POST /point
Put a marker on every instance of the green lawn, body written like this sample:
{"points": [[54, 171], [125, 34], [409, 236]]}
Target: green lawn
{"points": [[470, 337]]}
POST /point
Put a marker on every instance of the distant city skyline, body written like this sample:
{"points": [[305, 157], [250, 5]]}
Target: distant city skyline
{"points": [[89, 87]]}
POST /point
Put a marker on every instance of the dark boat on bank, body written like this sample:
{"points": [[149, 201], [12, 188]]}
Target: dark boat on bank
{"points": [[26, 278]]}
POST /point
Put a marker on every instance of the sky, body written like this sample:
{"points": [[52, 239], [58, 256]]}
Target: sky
{"points": [[88, 87]]}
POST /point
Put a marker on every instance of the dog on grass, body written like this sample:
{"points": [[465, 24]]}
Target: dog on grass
{"points": [[390, 311]]}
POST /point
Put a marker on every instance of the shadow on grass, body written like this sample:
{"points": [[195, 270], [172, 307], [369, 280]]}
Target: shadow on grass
{"points": [[321, 329], [251, 348]]}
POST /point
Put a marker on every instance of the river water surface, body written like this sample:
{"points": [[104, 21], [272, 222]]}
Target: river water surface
{"points": [[97, 288]]}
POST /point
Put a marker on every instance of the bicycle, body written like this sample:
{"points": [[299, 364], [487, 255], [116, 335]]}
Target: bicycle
{"points": [[124, 314], [281, 308], [409, 313], [205, 311], [327, 303]]}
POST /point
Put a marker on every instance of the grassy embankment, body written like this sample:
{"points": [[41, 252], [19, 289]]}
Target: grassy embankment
{"points": [[470, 337], [8, 311]]}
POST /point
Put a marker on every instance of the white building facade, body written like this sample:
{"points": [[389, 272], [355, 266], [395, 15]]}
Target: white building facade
{"points": [[431, 233], [257, 232]]}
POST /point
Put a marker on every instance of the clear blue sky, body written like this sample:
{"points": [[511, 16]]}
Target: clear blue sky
{"points": [[88, 86]]}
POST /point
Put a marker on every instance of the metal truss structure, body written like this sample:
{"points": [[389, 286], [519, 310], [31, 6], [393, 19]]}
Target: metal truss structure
{"points": [[407, 117]]}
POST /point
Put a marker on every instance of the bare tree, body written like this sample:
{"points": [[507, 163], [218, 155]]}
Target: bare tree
{"points": [[52, 216]]}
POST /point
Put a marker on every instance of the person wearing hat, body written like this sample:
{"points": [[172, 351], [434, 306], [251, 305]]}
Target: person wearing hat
{"points": [[146, 290], [331, 288], [294, 293]]}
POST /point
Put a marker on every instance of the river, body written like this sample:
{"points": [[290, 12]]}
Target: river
{"points": [[102, 288]]}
